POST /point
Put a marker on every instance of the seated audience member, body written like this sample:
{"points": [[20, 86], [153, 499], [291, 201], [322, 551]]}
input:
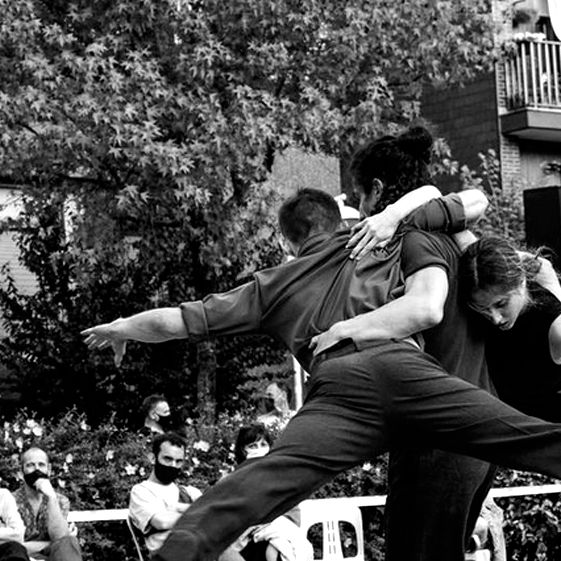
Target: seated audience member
{"points": [[157, 503], [488, 533], [158, 416], [281, 539], [278, 406], [11, 529], [44, 511]]}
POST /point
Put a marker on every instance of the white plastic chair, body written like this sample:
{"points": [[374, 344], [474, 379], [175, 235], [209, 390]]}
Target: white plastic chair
{"points": [[330, 517], [479, 555]]}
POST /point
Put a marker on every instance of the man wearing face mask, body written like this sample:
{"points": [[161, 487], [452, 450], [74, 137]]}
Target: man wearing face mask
{"points": [[44, 511], [156, 504], [158, 416]]}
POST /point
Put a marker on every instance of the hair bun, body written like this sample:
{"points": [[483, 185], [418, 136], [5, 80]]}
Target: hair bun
{"points": [[416, 141]]}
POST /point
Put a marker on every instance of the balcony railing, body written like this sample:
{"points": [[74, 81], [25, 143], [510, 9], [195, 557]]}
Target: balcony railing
{"points": [[533, 76]]}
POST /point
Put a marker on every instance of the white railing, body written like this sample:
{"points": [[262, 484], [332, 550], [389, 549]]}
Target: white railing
{"points": [[119, 514], [533, 75]]}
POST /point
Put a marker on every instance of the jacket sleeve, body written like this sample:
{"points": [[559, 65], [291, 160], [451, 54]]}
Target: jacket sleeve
{"points": [[235, 312]]}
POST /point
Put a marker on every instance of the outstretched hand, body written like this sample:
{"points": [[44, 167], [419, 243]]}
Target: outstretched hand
{"points": [[102, 336], [374, 231]]}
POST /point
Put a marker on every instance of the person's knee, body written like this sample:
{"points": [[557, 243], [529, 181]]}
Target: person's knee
{"points": [[66, 548]]}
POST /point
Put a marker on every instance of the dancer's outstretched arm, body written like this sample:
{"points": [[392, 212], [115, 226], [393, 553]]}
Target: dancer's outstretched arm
{"points": [[152, 326], [228, 313]]}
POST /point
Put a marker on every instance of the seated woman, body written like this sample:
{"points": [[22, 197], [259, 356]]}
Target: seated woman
{"points": [[279, 540]]}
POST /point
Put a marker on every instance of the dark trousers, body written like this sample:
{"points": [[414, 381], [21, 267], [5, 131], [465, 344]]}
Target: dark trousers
{"points": [[13, 551], [358, 406], [434, 499]]}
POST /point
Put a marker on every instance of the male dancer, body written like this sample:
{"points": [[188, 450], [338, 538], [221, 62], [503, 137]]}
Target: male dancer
{"points": [[359, 403]]}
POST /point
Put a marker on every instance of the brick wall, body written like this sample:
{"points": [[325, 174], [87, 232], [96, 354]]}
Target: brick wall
{"points": [[466, 117], [509, 154]]}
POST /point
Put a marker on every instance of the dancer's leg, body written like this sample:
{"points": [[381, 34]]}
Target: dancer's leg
{"points": [[435, 410], [435, 497], [340, 425]]}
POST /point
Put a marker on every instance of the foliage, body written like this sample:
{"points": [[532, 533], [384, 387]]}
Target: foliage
{"points": [[552, 168], [505, 214], [142, 133], [532, 523], [96, 468]]}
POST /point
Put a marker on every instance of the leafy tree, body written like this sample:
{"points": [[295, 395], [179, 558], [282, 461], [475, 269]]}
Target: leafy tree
{"points": [[505, 215], [142, 134]]}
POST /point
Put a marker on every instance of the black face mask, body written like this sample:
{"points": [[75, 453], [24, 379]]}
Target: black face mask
{"points": [[31, 478], [269, 404], [168, 422], [166, 474]]}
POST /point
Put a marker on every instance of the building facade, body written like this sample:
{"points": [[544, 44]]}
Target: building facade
{"points": [[514, 110]]}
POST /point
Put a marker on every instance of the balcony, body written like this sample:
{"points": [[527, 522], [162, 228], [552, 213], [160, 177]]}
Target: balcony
{"points": [[532, 73]]}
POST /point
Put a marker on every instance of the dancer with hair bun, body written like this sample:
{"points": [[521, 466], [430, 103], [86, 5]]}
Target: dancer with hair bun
{"points": [[436, 495]]}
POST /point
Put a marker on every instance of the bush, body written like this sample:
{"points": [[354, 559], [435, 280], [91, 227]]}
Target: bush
{"points": [[505, 215], [532, 524], [96, 468]]}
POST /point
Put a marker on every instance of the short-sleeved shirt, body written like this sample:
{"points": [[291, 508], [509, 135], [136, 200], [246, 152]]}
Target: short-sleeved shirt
{"points": [[520, 361], [302, 298], [457, 342], [150, 497], [9, 515], [36, 527]]}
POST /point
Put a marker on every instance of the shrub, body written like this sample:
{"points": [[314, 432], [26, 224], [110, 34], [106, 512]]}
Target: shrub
{"points": [[96, 468], [505, 215]]}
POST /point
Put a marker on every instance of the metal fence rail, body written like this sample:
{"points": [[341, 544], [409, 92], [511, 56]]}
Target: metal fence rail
{"points": [[118, 514], [533, 75]]}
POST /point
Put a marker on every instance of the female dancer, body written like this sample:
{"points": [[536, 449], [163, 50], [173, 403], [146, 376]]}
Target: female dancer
{"points": [[436, 495], [520, 295]]}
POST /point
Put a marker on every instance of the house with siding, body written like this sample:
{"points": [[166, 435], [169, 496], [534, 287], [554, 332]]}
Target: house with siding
{"points": [[10, 207]]}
